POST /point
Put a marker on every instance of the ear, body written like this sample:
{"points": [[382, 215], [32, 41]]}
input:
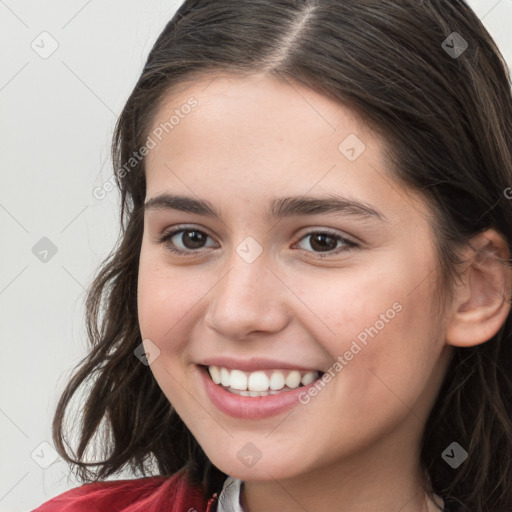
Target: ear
{"points": [[482, 300]]}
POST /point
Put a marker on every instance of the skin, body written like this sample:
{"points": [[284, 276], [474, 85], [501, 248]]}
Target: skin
{"points": [[248, 141]]}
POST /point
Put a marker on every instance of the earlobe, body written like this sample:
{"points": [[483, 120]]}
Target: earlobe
{"points": [[483, 300]]}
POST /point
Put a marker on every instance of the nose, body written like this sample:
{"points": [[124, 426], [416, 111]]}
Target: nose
{"points": [[250, 298]]}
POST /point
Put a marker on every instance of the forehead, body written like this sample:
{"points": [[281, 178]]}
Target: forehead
{"points": [[244, 119], [260, 136], [257, 105]]}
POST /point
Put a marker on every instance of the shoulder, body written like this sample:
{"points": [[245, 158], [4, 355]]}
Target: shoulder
{"points": [[152, 494]]}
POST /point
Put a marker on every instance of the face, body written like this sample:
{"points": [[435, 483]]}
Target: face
{"points": [[329, 290]]}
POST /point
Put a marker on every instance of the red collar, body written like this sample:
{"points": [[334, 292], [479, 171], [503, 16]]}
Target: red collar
{"points": [[211, 506]]}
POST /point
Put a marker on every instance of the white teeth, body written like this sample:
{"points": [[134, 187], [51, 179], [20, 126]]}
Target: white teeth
{"points": [[276, 380], [308, 378], [252, 393], [215, 374], [224, 377], [293, 379], [260, 383], [238, 380]]}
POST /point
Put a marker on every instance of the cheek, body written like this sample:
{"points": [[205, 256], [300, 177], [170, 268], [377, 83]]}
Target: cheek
{"points": [[151, 298], [379, 325], [352, 305], [164, 302], [169, 301], [161, 301]]}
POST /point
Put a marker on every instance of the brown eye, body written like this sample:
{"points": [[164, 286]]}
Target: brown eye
{"points": [[193, 239], [323, 242], [182, 241], [326, 242]]}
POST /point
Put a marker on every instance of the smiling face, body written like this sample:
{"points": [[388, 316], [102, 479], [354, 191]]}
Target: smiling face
{"points": [[266, 284]]}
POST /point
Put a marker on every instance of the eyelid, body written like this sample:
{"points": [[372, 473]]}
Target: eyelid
{"points": [[329, 231], [349, 242], [165, 237]]}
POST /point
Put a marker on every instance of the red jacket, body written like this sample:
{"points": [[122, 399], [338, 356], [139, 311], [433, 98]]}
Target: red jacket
{"points": [[153, 494]]}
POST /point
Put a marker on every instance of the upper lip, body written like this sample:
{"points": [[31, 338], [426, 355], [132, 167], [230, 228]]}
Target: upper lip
{"points": [[253, 364]]}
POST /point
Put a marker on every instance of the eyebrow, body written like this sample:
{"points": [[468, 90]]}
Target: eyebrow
{"points": [[279, 208]]}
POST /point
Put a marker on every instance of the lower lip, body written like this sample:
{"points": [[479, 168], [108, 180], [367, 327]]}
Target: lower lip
{"points": [[248, 407]]}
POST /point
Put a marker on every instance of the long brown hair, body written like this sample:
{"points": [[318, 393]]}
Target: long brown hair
{"points": [[447, 122]]}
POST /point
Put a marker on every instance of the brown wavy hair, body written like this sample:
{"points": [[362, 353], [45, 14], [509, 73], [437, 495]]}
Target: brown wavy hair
{"points": [[447, 125]]}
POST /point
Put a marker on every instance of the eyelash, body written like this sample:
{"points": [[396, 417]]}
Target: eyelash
{"points": [[349, 244]]}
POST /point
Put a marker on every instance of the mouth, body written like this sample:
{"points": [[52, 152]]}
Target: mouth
{"points": [[261, 382]]}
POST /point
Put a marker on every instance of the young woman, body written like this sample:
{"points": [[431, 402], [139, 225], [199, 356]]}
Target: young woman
{"points": [[309, 305]]}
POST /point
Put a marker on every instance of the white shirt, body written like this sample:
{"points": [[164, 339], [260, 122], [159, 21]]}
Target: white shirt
{"points": [[229, 498]]}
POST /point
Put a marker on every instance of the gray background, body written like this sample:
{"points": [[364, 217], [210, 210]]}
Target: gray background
{"points": [[58, 114]]}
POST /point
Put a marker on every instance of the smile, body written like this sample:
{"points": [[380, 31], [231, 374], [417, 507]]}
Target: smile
{"points": [[261, 382]]}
